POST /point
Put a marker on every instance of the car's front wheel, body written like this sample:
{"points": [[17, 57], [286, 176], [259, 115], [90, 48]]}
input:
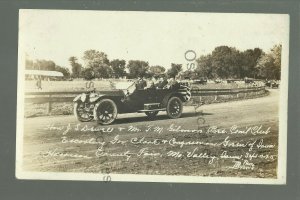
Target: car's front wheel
{"points": [[174, 107], [83, 112], [105, 111]]}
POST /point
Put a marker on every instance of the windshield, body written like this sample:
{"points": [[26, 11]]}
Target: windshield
{"points": [[131, 88], [126, 86], [122, 85]]}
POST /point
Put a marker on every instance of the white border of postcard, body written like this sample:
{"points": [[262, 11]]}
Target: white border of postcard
{"points": [[282, 139]]}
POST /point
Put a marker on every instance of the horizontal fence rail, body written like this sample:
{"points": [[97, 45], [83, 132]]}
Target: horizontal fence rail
{"points": [[213, 92], [51, 97], [44, 97]]}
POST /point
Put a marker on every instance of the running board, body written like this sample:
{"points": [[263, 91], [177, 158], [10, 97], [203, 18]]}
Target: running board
{"points": [[161, 109]]}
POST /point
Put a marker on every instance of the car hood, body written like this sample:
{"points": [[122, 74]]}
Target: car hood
{"points": [[111, 92]]}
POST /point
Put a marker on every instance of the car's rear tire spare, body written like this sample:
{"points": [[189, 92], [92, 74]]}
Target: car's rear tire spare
{"points": [[174, 107], [105, 111]]}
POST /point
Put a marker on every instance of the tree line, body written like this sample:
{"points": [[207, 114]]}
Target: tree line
{"points": [[97, 65], [223, 62], [228, 62], [48, 65]]}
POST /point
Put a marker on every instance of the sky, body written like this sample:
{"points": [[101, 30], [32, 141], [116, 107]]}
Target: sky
{"points": [[161, 38]]}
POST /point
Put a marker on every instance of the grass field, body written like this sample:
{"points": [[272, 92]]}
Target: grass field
{"points": [[64, 86]]}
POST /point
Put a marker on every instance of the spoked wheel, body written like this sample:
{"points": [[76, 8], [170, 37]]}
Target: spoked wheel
{"points": [[174, 107], [151, 114], [105, 111], [83, 111]]}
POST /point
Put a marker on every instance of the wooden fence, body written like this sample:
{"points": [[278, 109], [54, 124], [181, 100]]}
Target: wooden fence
{"points": [[51, 97]]}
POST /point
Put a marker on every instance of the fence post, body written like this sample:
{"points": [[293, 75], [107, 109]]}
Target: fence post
{"points": [[49, 105], [216, 95]]}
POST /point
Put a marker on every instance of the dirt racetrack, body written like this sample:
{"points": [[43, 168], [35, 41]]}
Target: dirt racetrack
{"points": [[48, 148]]}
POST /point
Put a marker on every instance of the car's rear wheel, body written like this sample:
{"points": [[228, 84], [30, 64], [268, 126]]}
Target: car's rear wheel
{"points": [[83, 112], [105, 111], [174, 107], [151, 114]]}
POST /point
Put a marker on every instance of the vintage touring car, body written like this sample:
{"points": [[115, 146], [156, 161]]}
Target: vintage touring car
{"points": [[104, 106]]}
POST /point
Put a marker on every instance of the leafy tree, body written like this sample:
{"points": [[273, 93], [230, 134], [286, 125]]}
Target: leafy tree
{"points": [[98, 62], [76, 67], [226, 62], [63, 70], [249, 61], [102, 71], [276, 52], [204, 67], [48, 65], [174, 71], [88, 73], [269, 65], [94, 58], [118, 67], [137, 68]]}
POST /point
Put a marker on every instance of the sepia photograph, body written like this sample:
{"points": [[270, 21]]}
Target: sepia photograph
{"points": [[150, 96]]}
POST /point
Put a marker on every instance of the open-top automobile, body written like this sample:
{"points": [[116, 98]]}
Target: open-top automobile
{"points": [[104, 106]]}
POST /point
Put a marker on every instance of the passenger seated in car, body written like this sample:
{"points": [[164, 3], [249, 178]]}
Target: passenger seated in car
{"points": [[173, 83], [141, 83], [152, 85], [153, 82], [162, 83]]}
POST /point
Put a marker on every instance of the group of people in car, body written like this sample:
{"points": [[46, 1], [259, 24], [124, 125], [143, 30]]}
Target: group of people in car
{"points": [[155, 83]]}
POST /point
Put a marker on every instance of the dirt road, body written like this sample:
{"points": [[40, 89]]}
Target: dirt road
{"points": [[126, 146]]}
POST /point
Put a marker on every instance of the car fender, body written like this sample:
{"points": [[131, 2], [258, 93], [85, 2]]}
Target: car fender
{"points": [[173, 94], [96, 98], [77, 98], [166, 99]]}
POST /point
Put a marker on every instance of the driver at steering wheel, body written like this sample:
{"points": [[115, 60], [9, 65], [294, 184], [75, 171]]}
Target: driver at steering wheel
{"points": [[141, 83]]}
